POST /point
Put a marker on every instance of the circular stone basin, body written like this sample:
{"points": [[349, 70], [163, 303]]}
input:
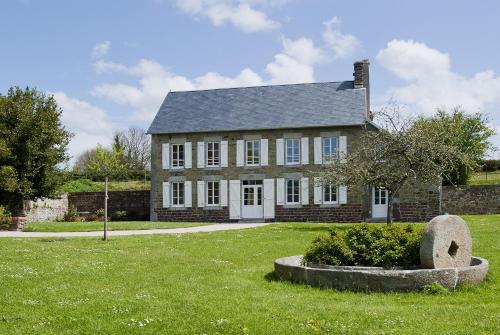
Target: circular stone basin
{"points": [[359, 278]]}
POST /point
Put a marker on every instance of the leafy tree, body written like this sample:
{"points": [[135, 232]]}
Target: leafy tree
{"points": [[107, 163], [468, 133], [396, 155], [32, 146]]}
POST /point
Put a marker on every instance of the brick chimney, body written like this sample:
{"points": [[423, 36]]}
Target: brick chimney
{"points": [[362, 79]]}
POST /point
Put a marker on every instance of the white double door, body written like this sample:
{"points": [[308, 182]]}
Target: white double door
{"points": [[252, 204], [379, 202]]}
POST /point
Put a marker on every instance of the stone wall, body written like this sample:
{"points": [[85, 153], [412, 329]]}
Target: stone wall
{"points": [[477, 199], [135, 203], [46, 209]]}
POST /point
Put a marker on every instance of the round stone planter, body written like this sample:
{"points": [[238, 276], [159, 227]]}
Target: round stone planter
{"points": [[357, 278]]}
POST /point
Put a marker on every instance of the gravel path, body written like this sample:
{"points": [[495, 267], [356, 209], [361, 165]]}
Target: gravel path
{"points": [[209, 228]]}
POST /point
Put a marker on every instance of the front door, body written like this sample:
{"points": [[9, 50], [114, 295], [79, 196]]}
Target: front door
{"points": [[379, 202], [251, 205]]}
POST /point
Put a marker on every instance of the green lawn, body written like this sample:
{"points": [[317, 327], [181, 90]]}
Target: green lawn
{"points": [[86, 185], [219, 283], [483, 178], [98, 225]]}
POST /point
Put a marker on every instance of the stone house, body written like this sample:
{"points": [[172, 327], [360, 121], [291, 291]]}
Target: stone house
{"points": [[244, 154]]}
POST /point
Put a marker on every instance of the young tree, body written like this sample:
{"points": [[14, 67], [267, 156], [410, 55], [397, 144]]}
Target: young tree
{"points": [[391, 157], [34, 143], [468, 133], [107, 164]]}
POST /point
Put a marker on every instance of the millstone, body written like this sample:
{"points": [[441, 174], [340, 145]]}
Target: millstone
{"points": [[446, 243]]}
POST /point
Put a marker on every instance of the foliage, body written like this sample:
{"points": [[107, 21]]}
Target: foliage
{"points": [[120, 215], [87, 185], [72, 214], [490, 165], [136, 146], [365, 245], [5, 218], [100, 212], [485, 178], [32, 146], [467, 133], [107, 163], [435, 289]]}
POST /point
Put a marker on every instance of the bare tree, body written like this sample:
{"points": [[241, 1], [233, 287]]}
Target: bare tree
{"points": [[84, 159], [137, 147]]}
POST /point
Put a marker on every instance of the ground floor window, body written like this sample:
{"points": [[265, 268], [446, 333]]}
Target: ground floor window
{"points": [[213, 193], [329, 194], [293, 191], [178, 194]]}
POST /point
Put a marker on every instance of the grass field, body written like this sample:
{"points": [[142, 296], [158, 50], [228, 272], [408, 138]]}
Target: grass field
{"points": [[86, 185], [219, 283], [98, 225], [483, 178]]}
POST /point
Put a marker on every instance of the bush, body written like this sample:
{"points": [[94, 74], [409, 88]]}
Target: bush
{"points": [[435, 289], [100, 212], [120, 215], [364, 245], [71, 215], [5, 218]]}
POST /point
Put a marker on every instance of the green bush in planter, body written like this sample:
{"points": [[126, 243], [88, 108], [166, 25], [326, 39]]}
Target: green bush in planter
{"points": [[368, 245]]}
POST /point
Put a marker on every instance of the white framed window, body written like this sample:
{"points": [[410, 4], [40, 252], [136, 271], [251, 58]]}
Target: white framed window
{"points": [[252, 152], [213, 154], [177, 155], [330, 149], [213, 193], [178, 194], [293, 191], [330, 194], [292, 152]]}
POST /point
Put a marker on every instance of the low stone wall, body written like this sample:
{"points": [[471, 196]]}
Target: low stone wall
{"points": [[46, 209], [476, 199], [194, 214], [134, 203]]}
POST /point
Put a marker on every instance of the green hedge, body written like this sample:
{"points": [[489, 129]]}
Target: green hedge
{"points": [[368, 245]]}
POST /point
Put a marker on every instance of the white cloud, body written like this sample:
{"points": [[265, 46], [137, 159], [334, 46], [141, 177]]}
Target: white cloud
{"points": [[241, 14], [89, 123], [101, 49], [343, 45], [430, 82]]}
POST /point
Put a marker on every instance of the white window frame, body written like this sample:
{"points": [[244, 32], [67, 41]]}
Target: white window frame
{"points": [[177, 186], [329, 158], [218, 158], [180, 163], [255, 148], [298, 195], [332, 188], [297, 142], [209, 198]]}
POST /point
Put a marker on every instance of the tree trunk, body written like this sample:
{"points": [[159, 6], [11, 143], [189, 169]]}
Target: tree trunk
{"points": [[389, 207]]}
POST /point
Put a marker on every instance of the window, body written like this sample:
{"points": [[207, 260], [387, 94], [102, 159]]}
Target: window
{"points": [[329, 149], [293, 191], [178, 194], [249, 196], [253, 152], [213, 193], [329, 194], [292, 151], [177, 155], [213, 154], [380, 196]]}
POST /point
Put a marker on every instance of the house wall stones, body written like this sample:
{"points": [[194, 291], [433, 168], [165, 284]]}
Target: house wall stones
{"points": [[474, 199]]}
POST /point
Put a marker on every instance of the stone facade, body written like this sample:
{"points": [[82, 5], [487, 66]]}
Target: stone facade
{"points": [[475, 199], [46, 209]]}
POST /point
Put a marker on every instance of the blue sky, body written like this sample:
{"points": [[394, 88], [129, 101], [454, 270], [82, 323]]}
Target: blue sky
{"points": [[110, 63]]}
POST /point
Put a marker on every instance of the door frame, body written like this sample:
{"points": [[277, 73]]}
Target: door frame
{"points": [[385, 197], [259, 209]]}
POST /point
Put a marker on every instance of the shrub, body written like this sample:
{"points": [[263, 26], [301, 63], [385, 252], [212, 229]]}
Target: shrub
{"points": [[71, 215], [365, 245], [435, 289], [5, 218], [100, 212], [120, 215]]}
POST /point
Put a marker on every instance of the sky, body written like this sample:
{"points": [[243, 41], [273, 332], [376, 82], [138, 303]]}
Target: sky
{"points": [[110, 64]]}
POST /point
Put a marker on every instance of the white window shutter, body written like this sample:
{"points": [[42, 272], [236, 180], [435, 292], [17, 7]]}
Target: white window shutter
{"points": [[200, 192], [223, 153], [188, 202], [234, 200], [304, 150], [188, 152], [304, 190], [318, 159], [280, 151], [264, 159], [240, 153], [318, 192], [343, 195], [166, 194], [280, 191], [223, 193], [269, 198], [165, 156], [200, 157], [342, 148]]}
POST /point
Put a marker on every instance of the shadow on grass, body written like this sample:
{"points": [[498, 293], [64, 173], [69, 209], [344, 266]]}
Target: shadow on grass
{"points": [[313, 227], [55, 239], [271, 277]]}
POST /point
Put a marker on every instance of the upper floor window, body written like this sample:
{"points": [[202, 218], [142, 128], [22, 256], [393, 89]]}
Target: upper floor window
{"points": [[213, 154], [330, 149], [252, 152], [329, 194], [292, 151], [293, 191], [177, 155], [178, 194]]}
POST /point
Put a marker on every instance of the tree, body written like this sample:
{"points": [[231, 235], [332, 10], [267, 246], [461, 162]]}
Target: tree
{"points": [[396, 155], [107, 163], [84, 160], [33, 145], [136, 146], [468, 133]]}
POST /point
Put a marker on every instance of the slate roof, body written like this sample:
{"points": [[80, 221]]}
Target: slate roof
{"points": [[261, 107]]}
